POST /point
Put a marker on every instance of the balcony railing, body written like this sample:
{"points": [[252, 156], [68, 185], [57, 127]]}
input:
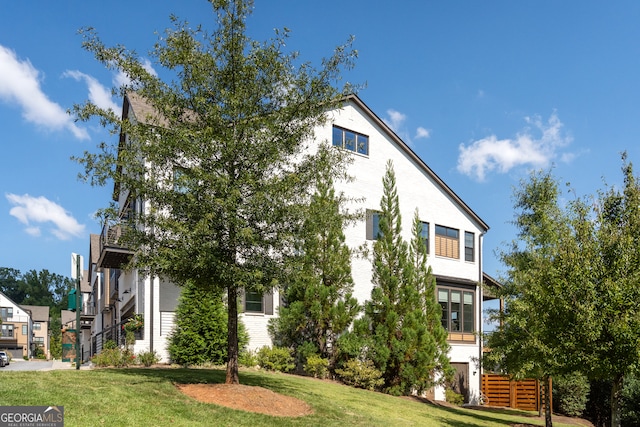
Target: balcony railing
{"points": [[112, 253]]}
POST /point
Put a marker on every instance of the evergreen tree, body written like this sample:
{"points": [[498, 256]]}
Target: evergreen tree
{"points": [[200, 335], [318, 305], [428, 360], [218, 154], [408, 344]]}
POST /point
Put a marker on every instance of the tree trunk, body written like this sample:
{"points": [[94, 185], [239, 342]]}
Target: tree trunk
{"points": [[548, 422], [616, 395], [232, 336]]}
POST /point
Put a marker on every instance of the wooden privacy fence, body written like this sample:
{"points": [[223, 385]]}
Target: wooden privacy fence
{"points": [[498, 390]]}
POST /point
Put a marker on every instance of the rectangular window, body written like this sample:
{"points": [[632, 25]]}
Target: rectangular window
{"points": [[6, 312], [37, 326], [469, 245], [350, 140], [7, 331], [39, 341], [443, 300], [24, 330], [457, 310], [447, 242], [180, 181], [424, 233], [373, 225], [253, 302]]}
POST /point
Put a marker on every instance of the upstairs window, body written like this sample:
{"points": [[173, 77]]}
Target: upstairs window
{"points": [[350, 140], [469, 246], [6, 312], [447, 242]]}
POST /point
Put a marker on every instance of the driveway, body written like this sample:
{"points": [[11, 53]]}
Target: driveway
{"points": [[38, 365]]}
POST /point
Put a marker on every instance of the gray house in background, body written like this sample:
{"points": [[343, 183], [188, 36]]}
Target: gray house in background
{"points": [[40, 327]]}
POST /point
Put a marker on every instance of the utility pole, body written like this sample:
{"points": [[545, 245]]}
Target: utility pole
{"points": [[76, 261]]}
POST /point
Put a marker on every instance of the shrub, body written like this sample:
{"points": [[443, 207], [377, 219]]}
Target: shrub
{"points": [[361, 374], [109, 345], [200, 335], [570, 394], [317, 366], [630, 407], [113, 357], [248, 359], [454, 398], [276, 359], [148, 358]]}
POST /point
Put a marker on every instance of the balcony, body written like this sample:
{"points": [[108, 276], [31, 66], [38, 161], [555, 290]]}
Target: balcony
{"points": [[112, 254], [87, 315]]}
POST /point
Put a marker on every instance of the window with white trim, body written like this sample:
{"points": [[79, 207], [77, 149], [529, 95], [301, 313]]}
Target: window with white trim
{"points": [[253, 302], [7, 331], [6, 312]]}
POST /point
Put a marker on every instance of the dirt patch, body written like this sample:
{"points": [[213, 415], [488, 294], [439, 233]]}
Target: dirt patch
{"points": [[247, 398]]}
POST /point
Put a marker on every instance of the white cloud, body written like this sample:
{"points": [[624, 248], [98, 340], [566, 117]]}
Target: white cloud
{"points": [[396, 120], [501, 155], [98, 94], [422, 133], [20, 83], [36, 211], [122, 79]]}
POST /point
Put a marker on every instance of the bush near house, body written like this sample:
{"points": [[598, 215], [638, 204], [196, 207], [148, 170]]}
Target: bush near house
{"points": [[276, 359], [361, 374]]}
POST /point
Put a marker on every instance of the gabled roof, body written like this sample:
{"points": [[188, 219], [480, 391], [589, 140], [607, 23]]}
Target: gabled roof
{"points": [[39, 313], [147, 114], [395, 138]]}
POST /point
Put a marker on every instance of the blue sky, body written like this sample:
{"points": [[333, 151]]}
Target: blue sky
{"points": [[482, 91]]}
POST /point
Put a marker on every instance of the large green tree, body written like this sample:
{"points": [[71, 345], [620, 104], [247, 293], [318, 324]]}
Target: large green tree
{"points": [[406, 343], [318, 304], [573, 289], [615, 352], [220, 159]]}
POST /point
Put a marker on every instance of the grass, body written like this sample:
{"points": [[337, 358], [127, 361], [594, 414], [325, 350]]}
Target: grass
{"points": [[148, 397]]}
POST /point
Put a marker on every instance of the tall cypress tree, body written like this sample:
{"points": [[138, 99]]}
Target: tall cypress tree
{"points": [[408, 343], [427, 356], [318, 302]]}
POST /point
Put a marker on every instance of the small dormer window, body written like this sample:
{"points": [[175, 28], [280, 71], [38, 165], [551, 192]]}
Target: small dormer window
{"points": [[350, 140]]}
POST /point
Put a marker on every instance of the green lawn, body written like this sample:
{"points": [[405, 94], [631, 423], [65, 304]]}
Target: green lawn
{"points": [[148, 397]]}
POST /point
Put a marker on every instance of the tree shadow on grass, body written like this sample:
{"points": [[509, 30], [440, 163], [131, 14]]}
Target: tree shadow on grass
{"points": [[276, 382]]}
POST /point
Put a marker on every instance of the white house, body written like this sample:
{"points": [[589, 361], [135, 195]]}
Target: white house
{"points": [[16, 335], [453, 231]]}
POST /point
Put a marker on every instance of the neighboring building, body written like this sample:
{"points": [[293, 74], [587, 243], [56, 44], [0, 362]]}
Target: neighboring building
{"points": [[40, 320], [16, 329], [453, 234], [86, 315]]}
